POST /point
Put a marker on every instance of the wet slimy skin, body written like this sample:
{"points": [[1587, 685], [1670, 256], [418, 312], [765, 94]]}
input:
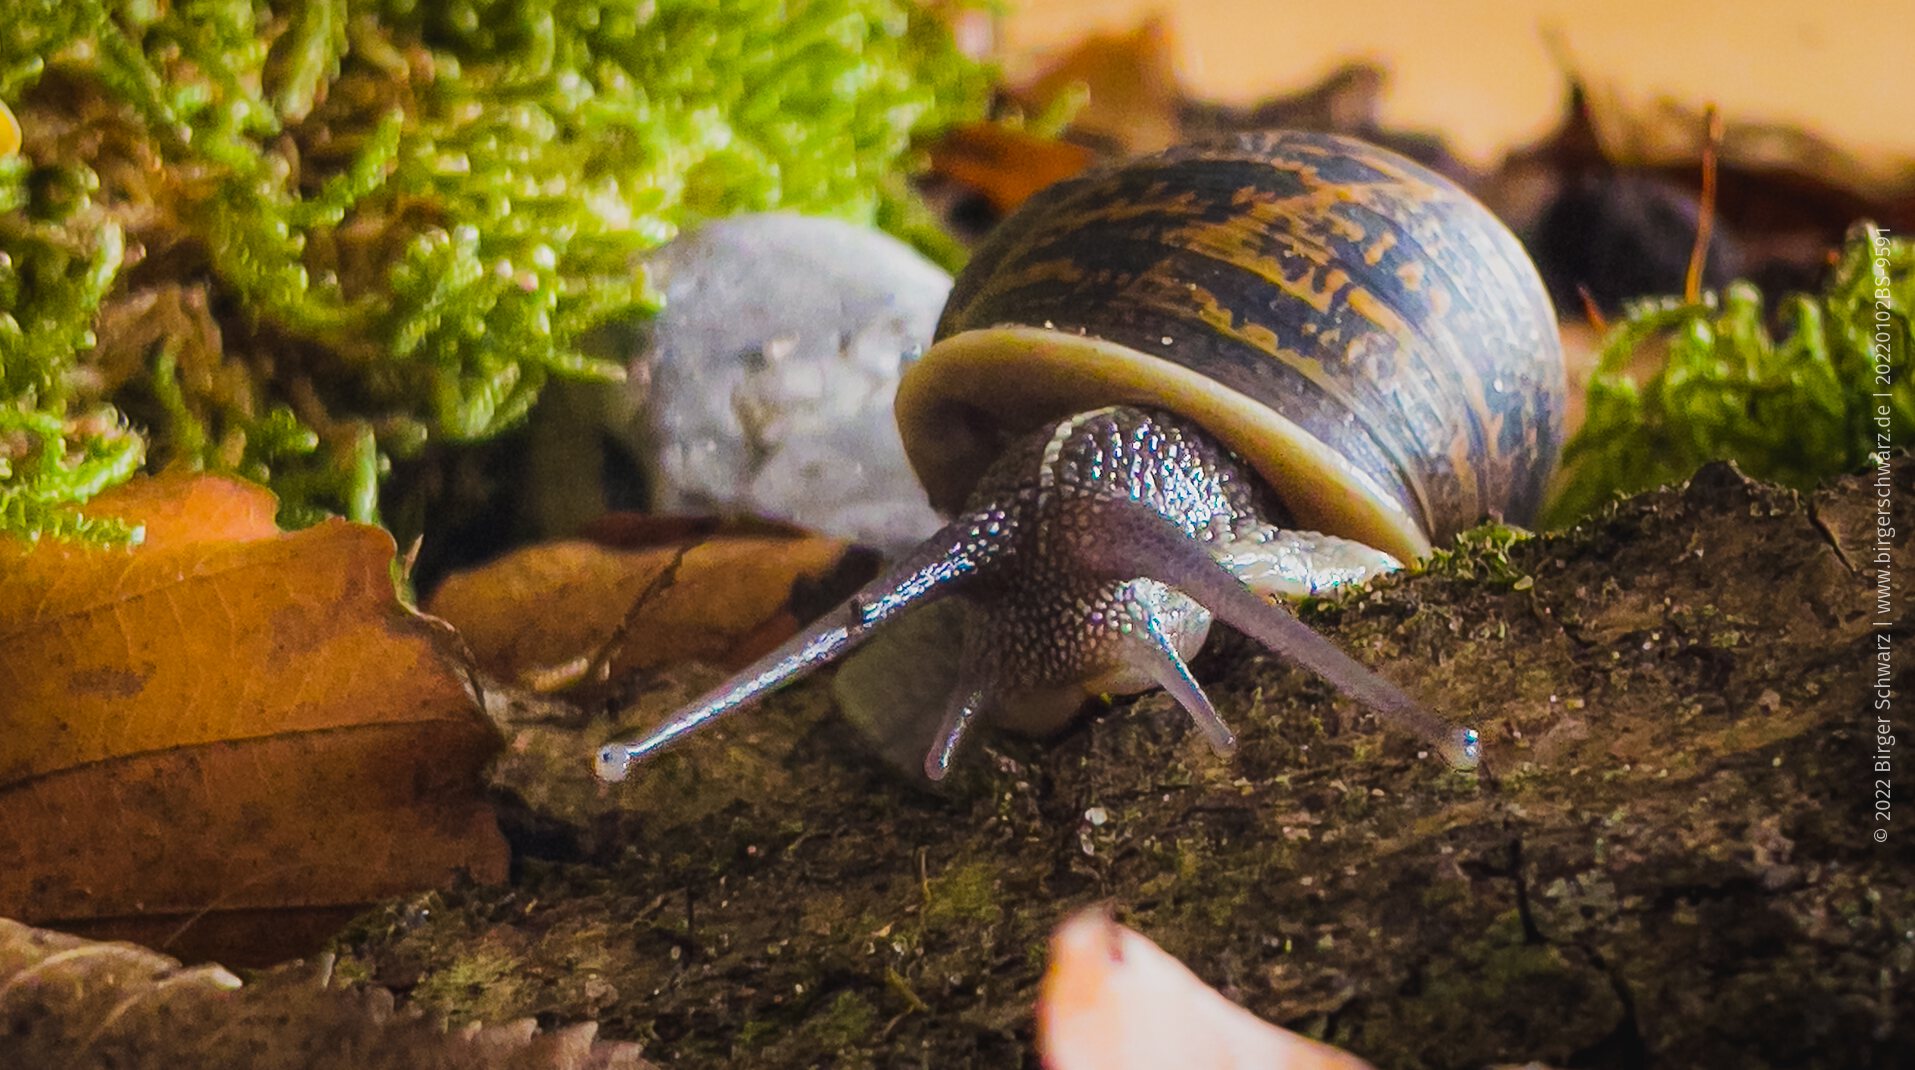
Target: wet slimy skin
{"points": [[1094, 555]]}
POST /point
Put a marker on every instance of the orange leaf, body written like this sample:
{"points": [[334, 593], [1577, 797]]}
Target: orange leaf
{"points": [[1112, 1000], [227, 719], [733, 598], [1004, 164], [634, 531]]}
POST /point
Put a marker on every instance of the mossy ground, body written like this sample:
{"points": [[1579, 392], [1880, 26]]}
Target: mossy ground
{"points": [[1664, 863]]}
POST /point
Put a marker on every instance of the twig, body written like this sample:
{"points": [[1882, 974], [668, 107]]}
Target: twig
{"points": [[600, 668], [1591, 310], [1706, 214]]}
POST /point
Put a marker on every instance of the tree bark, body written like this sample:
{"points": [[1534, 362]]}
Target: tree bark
{"points": [[1667, 859]]}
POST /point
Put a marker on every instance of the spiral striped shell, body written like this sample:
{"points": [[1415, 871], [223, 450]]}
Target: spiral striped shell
{"points": [[1363, 332]]}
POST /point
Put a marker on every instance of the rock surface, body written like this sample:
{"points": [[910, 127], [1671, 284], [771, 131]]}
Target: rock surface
{"points": [[1667, 860], [765, 386]]}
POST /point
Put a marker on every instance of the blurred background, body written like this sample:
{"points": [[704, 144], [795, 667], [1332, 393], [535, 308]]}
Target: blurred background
{"points": [[1644, 151], [1486, 73]]}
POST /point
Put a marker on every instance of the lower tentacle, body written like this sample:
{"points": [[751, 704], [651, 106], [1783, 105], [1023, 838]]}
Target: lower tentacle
{"points": [[1148, 650], [966, 704]]}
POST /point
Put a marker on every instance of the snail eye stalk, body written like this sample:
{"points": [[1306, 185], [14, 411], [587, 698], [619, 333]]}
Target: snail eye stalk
{"points": [[1132, 540]]}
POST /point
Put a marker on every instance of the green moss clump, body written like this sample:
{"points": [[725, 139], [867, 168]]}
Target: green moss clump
{"points": [[1481, 553], [53, 279], [298, 239], [846, 1023], [967, 893], [485, 978], [1794, 409]]}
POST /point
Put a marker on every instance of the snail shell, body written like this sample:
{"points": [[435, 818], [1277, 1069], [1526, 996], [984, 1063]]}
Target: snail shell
{"points": [[1365, 334], [1115, 363]]}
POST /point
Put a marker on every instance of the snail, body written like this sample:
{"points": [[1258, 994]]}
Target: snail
{"points": [[1257, 366]]}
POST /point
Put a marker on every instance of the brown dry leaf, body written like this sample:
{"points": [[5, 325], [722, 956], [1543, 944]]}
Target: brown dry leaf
{"points": [[1609, 200], [637, 531], [74, 1003], [1134, 97], [1348, 100], [227, 726], [1004, 164], [1112, 1000], [1790, 195], [1672, 134], [733, 598]]}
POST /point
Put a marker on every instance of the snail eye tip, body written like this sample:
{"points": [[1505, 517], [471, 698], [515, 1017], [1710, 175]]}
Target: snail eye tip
{"points": [[1469, 748], [614, 761]]}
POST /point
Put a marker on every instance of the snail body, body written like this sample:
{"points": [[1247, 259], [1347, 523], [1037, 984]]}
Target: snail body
{"points": [[1257, 366]]}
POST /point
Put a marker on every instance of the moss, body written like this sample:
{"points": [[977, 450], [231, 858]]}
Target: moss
{"points": [[1482, 553], [372, 230], [1796, 407], [754, 1033], [966, 893], [351, 972], [847, 1022], [52, 461], [482, 980]]}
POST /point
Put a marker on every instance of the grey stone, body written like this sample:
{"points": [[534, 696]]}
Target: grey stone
{"points": [[765, 385]]}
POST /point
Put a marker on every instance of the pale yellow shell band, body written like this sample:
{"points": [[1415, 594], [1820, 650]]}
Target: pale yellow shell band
{"points": [[1022, 377]]}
